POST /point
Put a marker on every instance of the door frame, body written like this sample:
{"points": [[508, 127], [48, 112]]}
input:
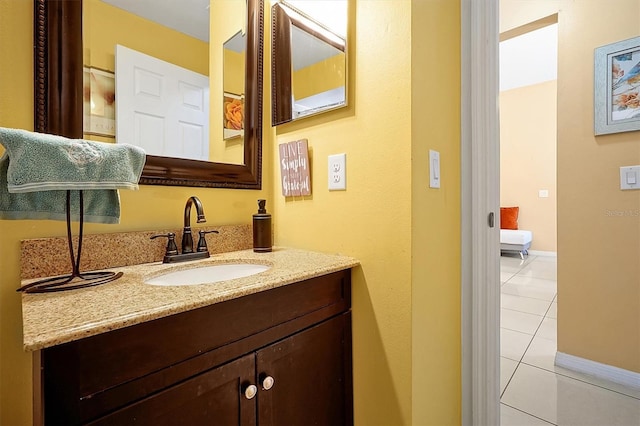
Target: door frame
{"points": [[480, 169]]}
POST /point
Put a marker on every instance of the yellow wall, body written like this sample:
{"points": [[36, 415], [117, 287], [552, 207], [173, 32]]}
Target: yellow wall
{"points": [[319, 77], [598, 251], [406, 295], [516, 13], [528, 158], [106, 25], [153, 207], [371, 220], [232, 150], [233, 71], [436, 214], [16, 110]]}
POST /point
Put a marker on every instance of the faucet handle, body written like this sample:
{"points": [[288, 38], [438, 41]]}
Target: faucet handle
{"points": [[202, 241], [172, 248]]}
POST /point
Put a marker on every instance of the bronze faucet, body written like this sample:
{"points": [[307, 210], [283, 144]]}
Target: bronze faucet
{"points": [[171, 254], [187, 239]]}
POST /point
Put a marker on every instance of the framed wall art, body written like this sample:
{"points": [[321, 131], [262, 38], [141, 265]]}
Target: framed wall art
{"points": [[233, 120], [99, 102], [617, 87]]}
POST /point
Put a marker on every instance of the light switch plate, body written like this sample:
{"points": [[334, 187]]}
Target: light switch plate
{"points": [[630, 177], [337, 172], [434, 169]]}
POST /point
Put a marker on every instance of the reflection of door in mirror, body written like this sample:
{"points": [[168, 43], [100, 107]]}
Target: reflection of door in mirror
{"points": [[163, 108], [107, 23], [147, 26], [309, 58]]}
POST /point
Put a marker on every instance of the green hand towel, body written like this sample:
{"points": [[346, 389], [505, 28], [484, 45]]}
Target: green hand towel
{"points": [[37, 169]]}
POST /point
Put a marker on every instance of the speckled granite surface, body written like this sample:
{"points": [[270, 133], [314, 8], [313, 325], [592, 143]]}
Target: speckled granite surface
{"points": [[44, 257], [55, 318]]}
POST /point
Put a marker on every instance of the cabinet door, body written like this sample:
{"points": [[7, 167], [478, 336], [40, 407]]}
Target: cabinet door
{"points": [[311, 374], [215, 397]]}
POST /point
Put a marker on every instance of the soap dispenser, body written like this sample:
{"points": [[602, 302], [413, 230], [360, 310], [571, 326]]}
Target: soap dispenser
{"points": [[262, 232]]}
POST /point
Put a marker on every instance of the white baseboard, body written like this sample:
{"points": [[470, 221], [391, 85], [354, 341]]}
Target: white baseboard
{"points": [[593, 368], [543, 253]]}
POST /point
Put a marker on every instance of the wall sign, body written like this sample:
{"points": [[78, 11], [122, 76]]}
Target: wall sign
{"points": [[294, 168]]}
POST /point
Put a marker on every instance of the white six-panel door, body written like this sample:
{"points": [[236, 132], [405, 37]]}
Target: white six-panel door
{"points": [[161, 107]]}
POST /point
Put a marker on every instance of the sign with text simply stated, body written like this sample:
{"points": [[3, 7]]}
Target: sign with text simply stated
{"points": [[294, 168]]}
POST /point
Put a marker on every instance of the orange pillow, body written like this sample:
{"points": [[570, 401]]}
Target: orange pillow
{"points": [[509, 217]]}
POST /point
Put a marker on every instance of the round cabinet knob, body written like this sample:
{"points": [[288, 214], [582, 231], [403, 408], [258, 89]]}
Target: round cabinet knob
{"points": [[267, 383], [251, 391]]}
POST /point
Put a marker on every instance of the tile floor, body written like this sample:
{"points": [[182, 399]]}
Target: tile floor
{"points": [[533, 390]]}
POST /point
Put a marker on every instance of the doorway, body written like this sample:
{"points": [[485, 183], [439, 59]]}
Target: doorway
{"points": [[481, 200], [528, 140]]}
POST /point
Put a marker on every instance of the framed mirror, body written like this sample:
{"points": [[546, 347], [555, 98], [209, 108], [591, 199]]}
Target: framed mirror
{"points": [[309, 58], [58, 80]]}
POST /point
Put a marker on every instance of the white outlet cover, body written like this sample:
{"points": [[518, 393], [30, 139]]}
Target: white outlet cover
{"points": [[337, 172]]}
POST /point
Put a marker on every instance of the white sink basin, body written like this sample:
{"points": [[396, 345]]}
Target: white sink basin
{"points": [[207, 274]]}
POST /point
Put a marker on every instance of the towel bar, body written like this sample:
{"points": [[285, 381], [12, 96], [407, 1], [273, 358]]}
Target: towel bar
{"points": [[66, 282]]}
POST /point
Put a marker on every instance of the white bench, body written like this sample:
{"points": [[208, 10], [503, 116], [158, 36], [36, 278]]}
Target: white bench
{"points": [[515, 240]]}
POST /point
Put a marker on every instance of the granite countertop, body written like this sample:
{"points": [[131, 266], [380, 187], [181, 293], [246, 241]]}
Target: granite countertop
{"points": [[54, 318]]}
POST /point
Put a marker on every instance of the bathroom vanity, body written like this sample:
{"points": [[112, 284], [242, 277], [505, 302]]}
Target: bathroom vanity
{"points": [[270, 349]]}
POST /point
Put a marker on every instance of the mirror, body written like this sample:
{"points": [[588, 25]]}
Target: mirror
{"points": [[59, 99], [309, 58], [233, 85]]}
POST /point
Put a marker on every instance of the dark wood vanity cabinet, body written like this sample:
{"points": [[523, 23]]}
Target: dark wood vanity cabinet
{"points": [[278, 357]]}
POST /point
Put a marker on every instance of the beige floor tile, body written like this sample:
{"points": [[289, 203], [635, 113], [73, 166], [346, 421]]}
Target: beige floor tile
{"points": [[513, 344], [544, 270], [553, 311], [536, 288], [507, 368], [524, 304], [519, 321], [548, 329], [565, 401], [512, 417], [541, 353]]}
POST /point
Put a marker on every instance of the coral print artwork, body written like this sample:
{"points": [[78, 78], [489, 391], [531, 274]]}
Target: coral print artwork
{"points": [[99, 102], [233, 115], [625, 88]]}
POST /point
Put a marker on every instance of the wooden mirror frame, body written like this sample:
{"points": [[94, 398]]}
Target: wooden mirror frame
{"points": [[58, 106]]}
